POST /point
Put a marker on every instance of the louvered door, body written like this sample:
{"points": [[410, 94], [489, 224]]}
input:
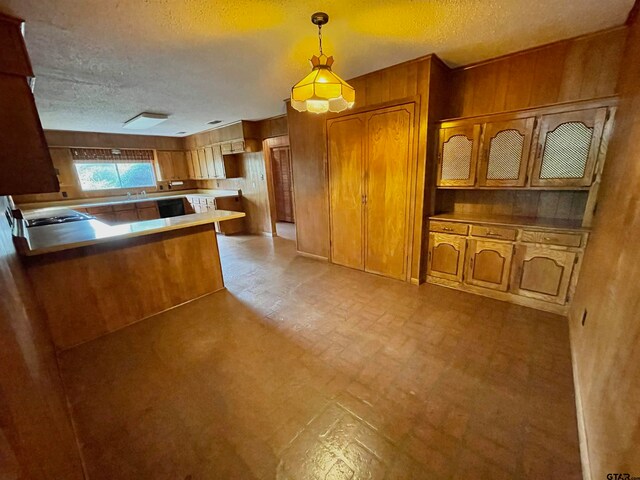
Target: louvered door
{"points": [[505, 153], [568, 148], [458, 156]]}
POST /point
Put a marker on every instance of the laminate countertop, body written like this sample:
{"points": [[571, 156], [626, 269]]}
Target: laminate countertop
{"points": [[66, 236], [154, 197]]}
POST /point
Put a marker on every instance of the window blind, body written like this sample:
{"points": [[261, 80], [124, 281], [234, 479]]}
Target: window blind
{"points": [[108, 155]]}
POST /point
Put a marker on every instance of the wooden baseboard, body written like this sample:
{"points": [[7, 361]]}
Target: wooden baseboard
{"points": [[582, 428], [414, 281], [311, 255], [502, 296]]}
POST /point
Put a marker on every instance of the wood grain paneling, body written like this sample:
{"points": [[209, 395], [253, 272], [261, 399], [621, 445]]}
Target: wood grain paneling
{"points": [[273, 127], [36, 437], [520, 203], [409, 81], [604, 316], [120, 283], [64, 138], [309, 161], [570, 70], [346, 185], [255, 195]]}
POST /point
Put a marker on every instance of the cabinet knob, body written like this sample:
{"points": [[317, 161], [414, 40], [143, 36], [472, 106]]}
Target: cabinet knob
{"points": [[447, 229]]}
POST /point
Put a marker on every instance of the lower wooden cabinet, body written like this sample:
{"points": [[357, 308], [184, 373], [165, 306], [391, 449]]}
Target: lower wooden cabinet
{"points": [[543, 273], [446, 256], [126, 216], [489, 264], [533, 267], [148, 213]]}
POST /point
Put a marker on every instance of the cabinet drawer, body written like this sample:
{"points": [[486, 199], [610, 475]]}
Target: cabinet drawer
{"points": [[120, 207], [101, 209], [449, 227], [498, 233], [552, 238]]}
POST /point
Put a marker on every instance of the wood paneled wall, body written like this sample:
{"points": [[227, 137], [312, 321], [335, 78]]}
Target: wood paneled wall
{"points": [[63, 138], [255, 196], [569, 205], [273, 127], [409, 81], [569, 70], [36, 437], [606, 349]]}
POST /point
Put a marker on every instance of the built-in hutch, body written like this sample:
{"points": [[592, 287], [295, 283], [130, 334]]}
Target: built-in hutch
{"points": [[515, 197]]}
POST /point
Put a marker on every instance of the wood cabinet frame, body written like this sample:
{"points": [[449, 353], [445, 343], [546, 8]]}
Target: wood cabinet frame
{"points": [[472, 133], [524, 127], [562, 259], [458, 244], [592, 118], [408, 204], [475, 248], [603, 128]]}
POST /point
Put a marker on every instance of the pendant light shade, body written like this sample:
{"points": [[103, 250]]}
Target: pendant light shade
{"points": [[322, 90]]}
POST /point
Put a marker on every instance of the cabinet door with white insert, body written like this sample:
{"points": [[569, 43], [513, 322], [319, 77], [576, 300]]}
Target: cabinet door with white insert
{"points": [[505, 153], [568, 145], [458, 156]]}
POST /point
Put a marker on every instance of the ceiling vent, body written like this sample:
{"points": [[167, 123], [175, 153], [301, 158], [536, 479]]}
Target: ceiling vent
{"points": [[145, 120], [181, 133], [214, 122]]}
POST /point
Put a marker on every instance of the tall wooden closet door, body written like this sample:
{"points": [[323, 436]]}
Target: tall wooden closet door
{"points": [[346, 163], [388, 192]]}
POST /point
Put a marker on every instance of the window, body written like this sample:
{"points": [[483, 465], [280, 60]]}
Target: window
{"points": [[101, 169]]}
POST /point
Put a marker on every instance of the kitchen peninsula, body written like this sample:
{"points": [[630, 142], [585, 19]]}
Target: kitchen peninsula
{"points": [[93, 278]]}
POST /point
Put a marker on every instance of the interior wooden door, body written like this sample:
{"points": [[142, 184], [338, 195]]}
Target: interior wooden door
{"points": [[505, 153], [458, 156], [345, 138], [282, 182], [568, 148], [446, 256], [489, 264], [389, 151], [543, 273]]}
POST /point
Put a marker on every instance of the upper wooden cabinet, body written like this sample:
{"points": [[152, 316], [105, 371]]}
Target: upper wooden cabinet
{"points": [[458, 156], [25, 162], [179, 165], [172, 165], [208, 163], [568, 145], [505, 153], [550, 147], [14, 58]]}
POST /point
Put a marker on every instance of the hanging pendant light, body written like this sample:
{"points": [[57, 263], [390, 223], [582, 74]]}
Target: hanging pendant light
{"points": [[322, 90]]}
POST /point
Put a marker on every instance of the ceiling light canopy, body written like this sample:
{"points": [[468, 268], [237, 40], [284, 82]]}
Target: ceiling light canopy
{"points": [[145, 120], [322, 90]]}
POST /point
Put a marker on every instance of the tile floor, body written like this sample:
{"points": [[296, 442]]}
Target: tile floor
{"points": [[305, 370]]}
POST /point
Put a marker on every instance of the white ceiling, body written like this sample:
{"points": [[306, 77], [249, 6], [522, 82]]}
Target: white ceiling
{"points": [[99, 62]]}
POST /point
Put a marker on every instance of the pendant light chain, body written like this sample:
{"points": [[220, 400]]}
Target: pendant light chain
{"points": [[320, 37]]}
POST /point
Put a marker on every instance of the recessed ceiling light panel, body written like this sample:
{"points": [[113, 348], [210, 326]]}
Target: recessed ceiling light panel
{"points": [[145, 120]]}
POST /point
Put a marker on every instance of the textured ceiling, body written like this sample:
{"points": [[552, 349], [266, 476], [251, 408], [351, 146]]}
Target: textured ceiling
{"points": [[99, 62]]}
